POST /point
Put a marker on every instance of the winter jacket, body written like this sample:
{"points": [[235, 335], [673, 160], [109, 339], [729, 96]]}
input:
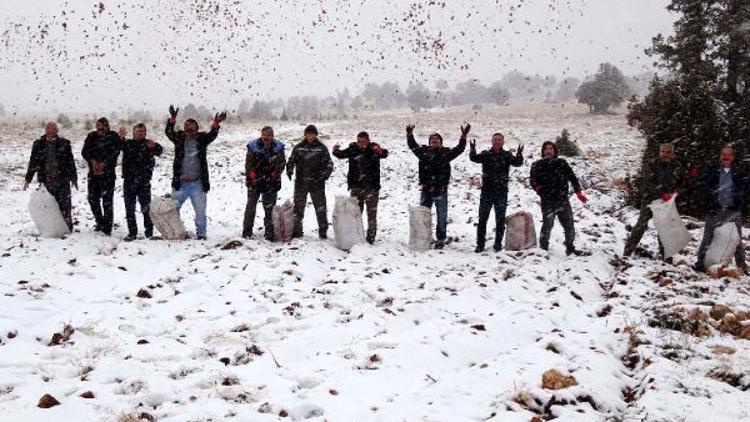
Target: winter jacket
{"points": [[138, 160], [102, 148], [711, 177], [264, 166], [364, 165], [435, 163], [550, 178], [65, 162], [312, 162], [660, 177], [203, 140], [495, 167]]}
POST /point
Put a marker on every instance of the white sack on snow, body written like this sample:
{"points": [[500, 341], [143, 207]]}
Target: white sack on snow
{"points": [[347, 223], [725, 241], [671, 230], [166, 218], [46, 214], [420, 228], [283, 221], [520, 233]]}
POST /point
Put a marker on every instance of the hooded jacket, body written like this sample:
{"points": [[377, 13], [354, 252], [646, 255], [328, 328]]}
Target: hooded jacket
{"points": [[138, 160], [364, 165], [495, 167], [312, 162], [264, 165], [435, 163], [550, 177], [102, 148], [65, 162]]}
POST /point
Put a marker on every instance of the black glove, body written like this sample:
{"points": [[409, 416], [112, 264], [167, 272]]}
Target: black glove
{"points": [[519, 150], [173, 112], [473, 144], [465, 129], [220, 117], [409, 129]]}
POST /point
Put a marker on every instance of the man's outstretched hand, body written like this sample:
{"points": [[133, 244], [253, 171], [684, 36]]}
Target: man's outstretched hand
{"points": [[219, 117], [465, 130], [409, 129], [173, 113]]}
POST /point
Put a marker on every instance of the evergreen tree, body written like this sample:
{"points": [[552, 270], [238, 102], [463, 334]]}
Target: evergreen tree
{"points": [[607, 89]]}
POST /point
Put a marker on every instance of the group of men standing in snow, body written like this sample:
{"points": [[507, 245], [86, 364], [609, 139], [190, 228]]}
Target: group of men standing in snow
{"points": [[551, 178], [725, 186]]}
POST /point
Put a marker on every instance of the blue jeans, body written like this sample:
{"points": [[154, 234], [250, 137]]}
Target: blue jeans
{"points": [[194, 191], [440, 199]]}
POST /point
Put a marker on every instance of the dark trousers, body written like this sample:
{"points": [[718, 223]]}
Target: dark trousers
{"points": [[713, 221], [639, 229], [269, 200], [489, 199], [101, 197], [141, 191], [317, 192], [61, 193], [369, 198], [440, 199], [559, 209]]}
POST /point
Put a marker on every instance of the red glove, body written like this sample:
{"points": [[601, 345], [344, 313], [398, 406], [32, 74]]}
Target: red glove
{"points": [[377, 150], [694, 172], [582, 196], [666, 196], [252, 176], [274, 175]]}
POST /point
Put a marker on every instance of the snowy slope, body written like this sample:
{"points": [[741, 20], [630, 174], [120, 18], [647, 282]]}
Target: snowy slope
{"points": [[250, 330]]}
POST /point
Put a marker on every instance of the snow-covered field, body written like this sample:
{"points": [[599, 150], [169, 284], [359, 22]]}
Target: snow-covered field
{"points": [[228, 329]]}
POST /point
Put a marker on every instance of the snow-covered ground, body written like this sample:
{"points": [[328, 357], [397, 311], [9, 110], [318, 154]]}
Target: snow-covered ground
{"points": [[229, 329]]}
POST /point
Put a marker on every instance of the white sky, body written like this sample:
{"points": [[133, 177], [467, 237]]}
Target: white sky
{"points": [[147, 54]]}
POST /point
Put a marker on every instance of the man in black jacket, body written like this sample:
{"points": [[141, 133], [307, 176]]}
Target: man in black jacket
{"points": [[137, 168], [313, 163], [363, 178], [52, 162], [190, 169], [662, 178], [435, 174], [100, 150], [549, 178], [726, 185], [496, 164], [264, 163]]}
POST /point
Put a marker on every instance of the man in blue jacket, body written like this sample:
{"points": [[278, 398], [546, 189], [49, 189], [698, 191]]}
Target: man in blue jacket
{"points": [[725, 189], [264, 164]]}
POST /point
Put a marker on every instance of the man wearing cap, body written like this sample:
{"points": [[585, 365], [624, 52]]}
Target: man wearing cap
{"points": [[314, 166], [100, 150]]}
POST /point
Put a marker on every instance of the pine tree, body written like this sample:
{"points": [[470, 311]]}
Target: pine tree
{"points": [[609, 88]]}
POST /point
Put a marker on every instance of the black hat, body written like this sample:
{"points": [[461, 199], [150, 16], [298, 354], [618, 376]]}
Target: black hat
{"points": [[311, 129], [103, 120]]}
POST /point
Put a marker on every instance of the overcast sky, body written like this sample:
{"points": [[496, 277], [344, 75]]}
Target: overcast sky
{"points": [[78, 55]]}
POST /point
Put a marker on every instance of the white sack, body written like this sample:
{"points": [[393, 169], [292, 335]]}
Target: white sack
{"points": [[46, 214], [420, 228], [671, 230], [725, 241], [166, 218], [283, 221], [347, 223], [520, 233]]}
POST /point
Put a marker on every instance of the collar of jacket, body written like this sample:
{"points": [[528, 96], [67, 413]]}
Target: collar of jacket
{"points": [[257, 146]]}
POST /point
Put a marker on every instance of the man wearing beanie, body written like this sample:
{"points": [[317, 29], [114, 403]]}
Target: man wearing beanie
{"points": [[314, 166]]}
